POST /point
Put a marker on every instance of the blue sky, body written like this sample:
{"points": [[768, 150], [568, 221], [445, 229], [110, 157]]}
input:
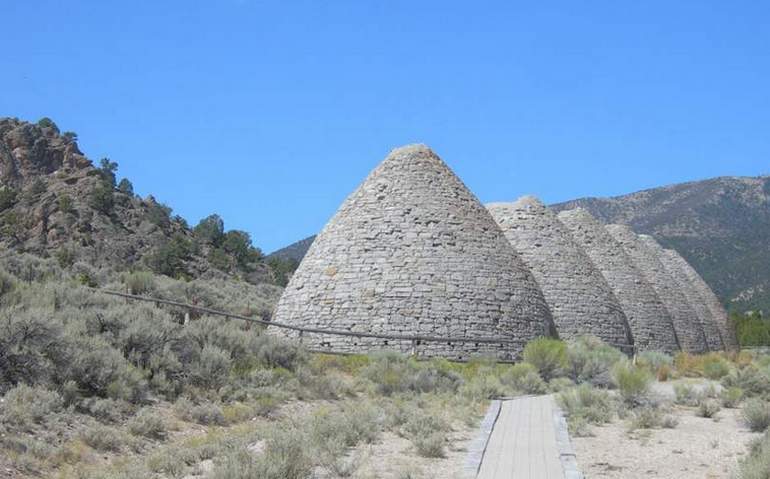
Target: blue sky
{"points": [[271, 112]]}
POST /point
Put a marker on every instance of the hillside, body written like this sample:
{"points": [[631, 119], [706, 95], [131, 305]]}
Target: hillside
{"points": [[54, 202], [721, 226]]}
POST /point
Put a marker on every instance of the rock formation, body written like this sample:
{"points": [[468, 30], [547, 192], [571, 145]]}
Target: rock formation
{"points": [[686, 323], [581, 301], [675, 265], [650, 322], [413, 252]]}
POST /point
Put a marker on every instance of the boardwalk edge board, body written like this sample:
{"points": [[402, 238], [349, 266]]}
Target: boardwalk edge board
{"points": [[479, 445]]}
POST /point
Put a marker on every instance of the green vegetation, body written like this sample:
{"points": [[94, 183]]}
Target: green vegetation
{"points": [[126, 187], [102, 198], [757, 464], [756, 414], [46, 122], [8, 198], [548, 355], [633, 382], [751, 328]]}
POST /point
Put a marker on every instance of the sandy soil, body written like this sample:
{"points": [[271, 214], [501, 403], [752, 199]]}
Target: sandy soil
{"points": [[393, 457], [696, 448]]}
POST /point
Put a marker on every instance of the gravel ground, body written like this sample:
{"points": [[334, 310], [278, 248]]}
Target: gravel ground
{"points": [[696, 448]]}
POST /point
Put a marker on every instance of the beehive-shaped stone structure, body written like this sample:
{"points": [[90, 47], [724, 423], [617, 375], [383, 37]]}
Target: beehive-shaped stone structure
{"points": [[413, 252], [718, 312], [650, 322], [581, 301], [687, 326], [674, 265]]}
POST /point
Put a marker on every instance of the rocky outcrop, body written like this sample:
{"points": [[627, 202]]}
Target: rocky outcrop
{"points": [[687, 327], [412, 251], [48, 208], [581, 301], [650, 322], [674, 264]]}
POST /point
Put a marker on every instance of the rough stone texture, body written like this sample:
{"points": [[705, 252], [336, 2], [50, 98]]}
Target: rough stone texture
{"points": [[412, 251], [686, 324], [676, 266], [579, 297], [650, 322]]}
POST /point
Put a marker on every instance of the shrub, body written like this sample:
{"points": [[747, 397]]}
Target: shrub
{"points": [[731, 397], [8, 198], [126, 187], [105, 410], [102, 198], [647, 417], [686, 395], [103, 438], [548, 355], [32, 348], [751, 379], [521, 377], [657, 363], [756, 414], [394, 373], [204, 413], [757, 464], [212, 367], [708, 408], [483, 385], [591, 360], [287, 456], [139, 282], [353, 424], [274, 352], [7, 283], [427, 433], [584, 402], [149, 424], [24, 405], [715, 366], [687, 364], [633, 383]]}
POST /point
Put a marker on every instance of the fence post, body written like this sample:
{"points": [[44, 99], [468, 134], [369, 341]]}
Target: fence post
{"points": [[300, 335], [414, 348]]}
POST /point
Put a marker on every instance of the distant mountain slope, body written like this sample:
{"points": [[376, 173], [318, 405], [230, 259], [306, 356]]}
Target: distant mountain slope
{"points": [[55, 202], [721, 226], [293, 252]]}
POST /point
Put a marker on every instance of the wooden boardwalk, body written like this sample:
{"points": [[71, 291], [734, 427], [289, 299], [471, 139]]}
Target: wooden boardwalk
{"points": [[528, 441]]}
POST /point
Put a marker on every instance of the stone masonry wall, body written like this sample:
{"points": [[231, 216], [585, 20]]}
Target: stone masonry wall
{"points": [[581, 301], [686, 324], [718, 311], [650, 322], [695, 297], [412, 251]]}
